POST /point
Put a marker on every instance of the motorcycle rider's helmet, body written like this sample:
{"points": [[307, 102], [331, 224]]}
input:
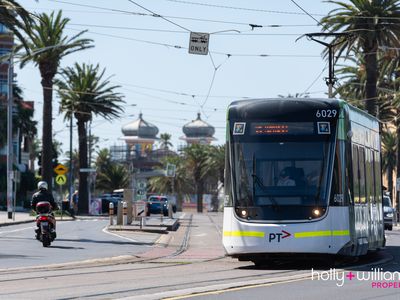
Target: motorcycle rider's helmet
{"points": [[42, 185]]}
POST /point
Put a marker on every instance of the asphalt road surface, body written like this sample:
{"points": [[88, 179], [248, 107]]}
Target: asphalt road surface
{"points": [[76, 241]]}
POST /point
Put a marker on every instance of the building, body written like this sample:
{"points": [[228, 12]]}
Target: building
{"points": [[198, 132]]}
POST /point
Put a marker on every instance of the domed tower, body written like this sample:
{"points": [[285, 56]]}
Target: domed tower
{"points": [[198, 132], [140, 135]]}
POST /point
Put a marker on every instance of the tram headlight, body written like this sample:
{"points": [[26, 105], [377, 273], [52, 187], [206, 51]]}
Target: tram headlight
{"points": [[243, 213], [316, 212]]}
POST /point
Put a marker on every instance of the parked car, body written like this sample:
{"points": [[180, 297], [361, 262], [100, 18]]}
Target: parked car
{"points": [[156, 204], [105, 202], [388, 212]]}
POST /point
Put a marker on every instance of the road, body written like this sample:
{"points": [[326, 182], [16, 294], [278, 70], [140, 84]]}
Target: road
{"points": [[179, 264], [77, 240]]}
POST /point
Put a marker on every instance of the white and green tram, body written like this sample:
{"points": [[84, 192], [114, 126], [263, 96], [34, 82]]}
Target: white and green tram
{"points": [[302, 176]]}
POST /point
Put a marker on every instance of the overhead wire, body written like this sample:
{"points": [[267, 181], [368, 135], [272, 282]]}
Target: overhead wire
{"points": [[127, 12], [162, 17], [307, 13]]}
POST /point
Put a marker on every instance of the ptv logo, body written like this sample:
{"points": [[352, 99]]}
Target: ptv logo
{"points": [[278, 236]]}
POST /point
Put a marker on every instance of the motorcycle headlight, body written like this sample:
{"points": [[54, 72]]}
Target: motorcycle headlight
{"points": [[389, 215]]}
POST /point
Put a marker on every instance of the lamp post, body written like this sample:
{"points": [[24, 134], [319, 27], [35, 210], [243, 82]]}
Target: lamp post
{"points": [[71, 170], [10, 154]]}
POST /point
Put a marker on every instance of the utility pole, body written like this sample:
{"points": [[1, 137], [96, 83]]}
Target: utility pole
{"points": [[90, 161], [71, 170], [10, 154], [330, 80]]}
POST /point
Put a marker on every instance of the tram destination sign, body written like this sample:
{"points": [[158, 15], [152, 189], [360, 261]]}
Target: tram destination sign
{"points": [[282, 128]]}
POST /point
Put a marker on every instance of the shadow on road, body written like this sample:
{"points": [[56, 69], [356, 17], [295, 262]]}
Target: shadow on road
{"points": [[67, 247], [106, 242]]}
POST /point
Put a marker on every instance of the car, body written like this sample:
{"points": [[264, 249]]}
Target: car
{"points": [[106, 199], [388, 212], [154, 204]]}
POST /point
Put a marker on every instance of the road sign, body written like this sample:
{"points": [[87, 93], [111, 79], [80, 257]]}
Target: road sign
{"points": [[171, 169], [61, 169], [87, 170], [61, 179], [141, 183], [198, 43]]}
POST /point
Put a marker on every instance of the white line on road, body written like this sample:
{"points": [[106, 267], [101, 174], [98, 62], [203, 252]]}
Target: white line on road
{"points": [[17, 230], [117, 235]]}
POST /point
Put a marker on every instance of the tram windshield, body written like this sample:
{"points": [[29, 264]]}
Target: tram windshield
{"points": [[281, 180]]}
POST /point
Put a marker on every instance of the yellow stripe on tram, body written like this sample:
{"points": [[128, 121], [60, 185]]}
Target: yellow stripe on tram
{"points": [[340, 232], [307, 234], [259, 234]]}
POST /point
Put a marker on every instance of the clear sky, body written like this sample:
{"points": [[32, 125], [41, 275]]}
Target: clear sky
{"points": [[149, 59]]}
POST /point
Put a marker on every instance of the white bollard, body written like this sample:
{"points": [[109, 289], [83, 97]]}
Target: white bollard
{"points": [[111, 212], [124, 213]]}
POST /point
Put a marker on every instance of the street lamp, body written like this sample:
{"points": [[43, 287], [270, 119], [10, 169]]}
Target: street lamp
{"points": [[10, 155]]}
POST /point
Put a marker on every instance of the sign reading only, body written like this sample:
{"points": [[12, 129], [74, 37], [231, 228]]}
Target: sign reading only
{"points": [[199, 43]]}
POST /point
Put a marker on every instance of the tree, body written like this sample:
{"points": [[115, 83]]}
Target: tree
{"points": [[103, 159], [47, 45], [371, 24], [196, 156], [181, 183], [165, 141], [84, 91], [14, 17], [114, 176]]}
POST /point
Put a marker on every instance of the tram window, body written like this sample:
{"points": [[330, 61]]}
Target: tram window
{"points": [[336, 187], [356, 175], [368, 176], [361, 164], [371, 174], [378, 188]]}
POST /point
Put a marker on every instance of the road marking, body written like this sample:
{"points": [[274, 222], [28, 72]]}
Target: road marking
{"points": [[120, 236], [17, 230]]}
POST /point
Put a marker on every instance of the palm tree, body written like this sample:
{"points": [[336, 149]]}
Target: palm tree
{"points": [[165, 141], [196, 156], [14, 17], [114, 176], [103, 159], [180, 184], [389, 151], [84, 92], [371, 24], [47, 45]]}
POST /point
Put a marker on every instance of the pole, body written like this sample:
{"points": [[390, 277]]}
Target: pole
{"points": [[90, 160], [331, 80], [70, 162], [10, 154]]}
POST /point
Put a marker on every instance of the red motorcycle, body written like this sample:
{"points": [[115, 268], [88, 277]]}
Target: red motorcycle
{"points": [[46, 223]]}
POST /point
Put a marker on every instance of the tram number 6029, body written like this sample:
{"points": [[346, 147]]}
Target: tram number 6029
{"points": [[326, 113]]}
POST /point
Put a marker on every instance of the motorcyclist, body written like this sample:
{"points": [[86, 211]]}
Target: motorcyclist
{"points": [[40, 196], [43, 195]]}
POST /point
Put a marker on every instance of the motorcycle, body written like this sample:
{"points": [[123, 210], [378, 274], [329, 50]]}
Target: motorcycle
{"points": [[46, 224]]}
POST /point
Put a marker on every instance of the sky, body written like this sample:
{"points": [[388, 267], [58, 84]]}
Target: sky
{"points": [[147, 55]]}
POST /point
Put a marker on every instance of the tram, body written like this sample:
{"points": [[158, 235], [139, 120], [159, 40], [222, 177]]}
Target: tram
{"points": [[302, 176]]}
